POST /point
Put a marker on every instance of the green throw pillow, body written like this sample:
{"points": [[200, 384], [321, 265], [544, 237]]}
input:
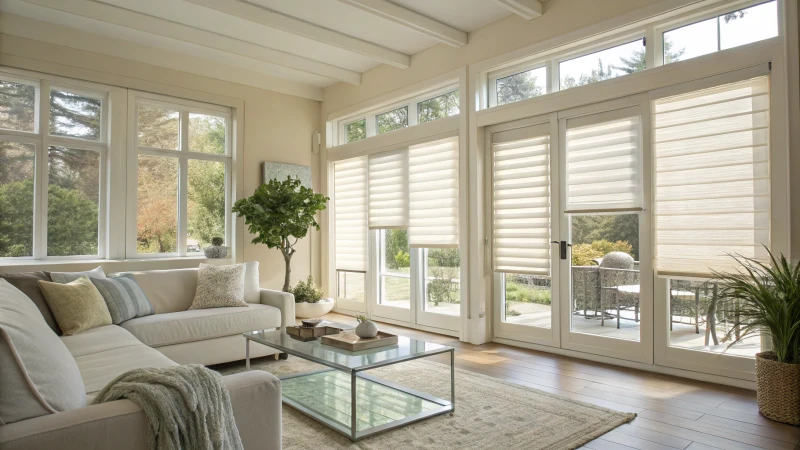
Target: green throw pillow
{"points": [[124, 298], [77, 306]]}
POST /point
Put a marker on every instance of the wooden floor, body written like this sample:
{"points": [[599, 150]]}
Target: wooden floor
{"points": [[673, 413]]}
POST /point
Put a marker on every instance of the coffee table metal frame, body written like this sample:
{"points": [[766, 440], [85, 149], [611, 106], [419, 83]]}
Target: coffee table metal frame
{"points": [[355, 373]]}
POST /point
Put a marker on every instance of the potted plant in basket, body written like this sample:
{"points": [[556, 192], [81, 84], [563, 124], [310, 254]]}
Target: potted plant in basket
{"points": [[765, 299], [280, 213], [308, 301]]}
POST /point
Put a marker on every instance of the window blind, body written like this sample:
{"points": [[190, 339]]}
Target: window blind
{"points": [[603, 162], [712, 187], [388, 190], [350, 213], [433, 194], [521, 200]]}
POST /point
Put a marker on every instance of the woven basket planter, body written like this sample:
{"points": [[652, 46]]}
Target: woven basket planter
{"points": [[778, 388]]}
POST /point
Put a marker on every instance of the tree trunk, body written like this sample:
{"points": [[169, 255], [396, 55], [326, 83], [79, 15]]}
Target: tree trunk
{"points": [[287, 257]]}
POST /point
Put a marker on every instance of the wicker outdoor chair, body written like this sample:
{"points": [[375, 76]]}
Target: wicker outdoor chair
{"points": [[617, 269]]}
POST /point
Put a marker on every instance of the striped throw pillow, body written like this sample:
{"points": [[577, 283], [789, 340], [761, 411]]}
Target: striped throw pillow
{"points": [[124, 298]]}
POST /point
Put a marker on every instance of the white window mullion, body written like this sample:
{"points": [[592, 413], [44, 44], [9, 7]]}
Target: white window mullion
{"points": [[413, 115], [183, 184], [41, 175], [371, 125]]}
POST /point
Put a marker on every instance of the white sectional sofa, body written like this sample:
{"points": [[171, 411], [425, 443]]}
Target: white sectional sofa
{"points": [[173, 335]]}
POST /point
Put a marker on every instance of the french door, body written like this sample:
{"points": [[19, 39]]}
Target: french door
{"points": [[570, 238], [414, 286]]}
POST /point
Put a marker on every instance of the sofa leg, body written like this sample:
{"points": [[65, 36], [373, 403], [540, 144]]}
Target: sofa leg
{"points": [[282, 356]]}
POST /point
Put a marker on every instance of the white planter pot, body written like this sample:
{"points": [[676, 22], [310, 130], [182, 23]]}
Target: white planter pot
{"points": [[313, 310]]}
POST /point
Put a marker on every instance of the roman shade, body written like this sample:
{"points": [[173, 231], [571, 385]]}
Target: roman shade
{"points": [[433, 194], [712, 180], [604, 161], [521, 200], [388, 190], [350, 213]]}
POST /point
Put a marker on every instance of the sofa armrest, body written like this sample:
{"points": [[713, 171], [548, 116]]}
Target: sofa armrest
{"points": [[283, 301], [122, 425]]}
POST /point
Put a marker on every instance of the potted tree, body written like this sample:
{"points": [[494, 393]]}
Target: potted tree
{"points": [[765, 299], [280, 213], [308, 300]]}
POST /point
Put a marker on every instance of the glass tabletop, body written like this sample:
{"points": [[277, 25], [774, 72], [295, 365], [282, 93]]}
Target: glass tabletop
{"points": [[405, 349]]}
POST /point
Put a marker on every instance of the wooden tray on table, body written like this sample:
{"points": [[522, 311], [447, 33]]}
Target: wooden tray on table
{"points": [[353, 343]]}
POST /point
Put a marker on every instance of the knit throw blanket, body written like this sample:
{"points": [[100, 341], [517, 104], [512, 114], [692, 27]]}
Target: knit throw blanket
{"points": [[187, 407]]}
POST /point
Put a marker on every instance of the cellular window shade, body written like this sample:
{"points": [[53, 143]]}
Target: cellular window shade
{"points": [[433, 194], [603, 162], [712, 182], [521, 202], [388, 190], [350, 213]]}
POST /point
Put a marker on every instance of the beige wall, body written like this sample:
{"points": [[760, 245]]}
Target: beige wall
{"points": [[277, 127]]}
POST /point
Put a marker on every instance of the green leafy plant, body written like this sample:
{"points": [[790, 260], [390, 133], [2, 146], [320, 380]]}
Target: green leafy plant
{"points": [[584, 254], [307, 291], [762, 298], [217, 241], [280, 213], [361, 318]]}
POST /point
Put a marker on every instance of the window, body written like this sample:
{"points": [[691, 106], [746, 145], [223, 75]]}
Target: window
{"points": [[179, 214], [603, 65], [355, 131], [395, 269], [427, 107], [442, 281], [56, 212], [392, 120], [725, 31], [445, 105], [520, 86]]}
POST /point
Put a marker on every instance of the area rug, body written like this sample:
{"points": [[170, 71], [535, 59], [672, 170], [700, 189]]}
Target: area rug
{"points": [[490, 413]]}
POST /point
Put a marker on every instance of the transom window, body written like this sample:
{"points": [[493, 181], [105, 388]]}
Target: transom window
{"points": [[664, 43], [423, 108]]}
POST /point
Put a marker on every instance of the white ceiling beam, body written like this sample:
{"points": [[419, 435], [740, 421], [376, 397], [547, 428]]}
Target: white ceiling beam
{"points": [[278, 21], [413, 20], [527, 9], [154, 25]]}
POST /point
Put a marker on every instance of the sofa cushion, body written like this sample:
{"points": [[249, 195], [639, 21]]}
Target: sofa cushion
{"points": [[107, 352], [173, 290], [66, 277], [199, 324], [28, 283], [77, 305], [219, 287], [39, 375], [124, 298]]}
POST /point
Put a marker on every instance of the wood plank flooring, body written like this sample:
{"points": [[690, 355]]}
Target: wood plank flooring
{"points": [[673, 413]]}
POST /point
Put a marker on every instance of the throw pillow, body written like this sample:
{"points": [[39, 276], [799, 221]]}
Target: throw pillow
{"points": [[124, 298], [66, 277], [28, 283], [77, 306], [39, 375], [219, 286]]}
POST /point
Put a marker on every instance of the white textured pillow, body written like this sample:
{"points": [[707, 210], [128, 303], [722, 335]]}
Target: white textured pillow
{"points": [[39, 375], [219, 286], [69, 277]]}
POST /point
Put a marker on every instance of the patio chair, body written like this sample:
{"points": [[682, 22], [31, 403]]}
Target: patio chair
{"points": [[617, 269]]}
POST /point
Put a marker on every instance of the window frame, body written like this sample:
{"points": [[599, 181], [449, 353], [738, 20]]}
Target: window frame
{"points": [[43, 140], [183, 155], [691, 18], [370, 116], [650, 29]]}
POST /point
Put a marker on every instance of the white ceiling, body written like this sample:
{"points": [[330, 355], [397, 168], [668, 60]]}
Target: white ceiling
{"points": [[312, 42]]}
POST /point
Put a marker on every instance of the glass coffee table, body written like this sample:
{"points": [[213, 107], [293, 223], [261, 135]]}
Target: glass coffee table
{"points": [[346, 398]]}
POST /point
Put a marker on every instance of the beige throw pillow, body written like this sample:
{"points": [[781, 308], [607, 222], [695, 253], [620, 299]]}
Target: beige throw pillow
{"points": [[77, 306], [219, 287]]}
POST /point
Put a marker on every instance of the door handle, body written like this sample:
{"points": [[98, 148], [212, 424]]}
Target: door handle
{"points": [[562, 247]]}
